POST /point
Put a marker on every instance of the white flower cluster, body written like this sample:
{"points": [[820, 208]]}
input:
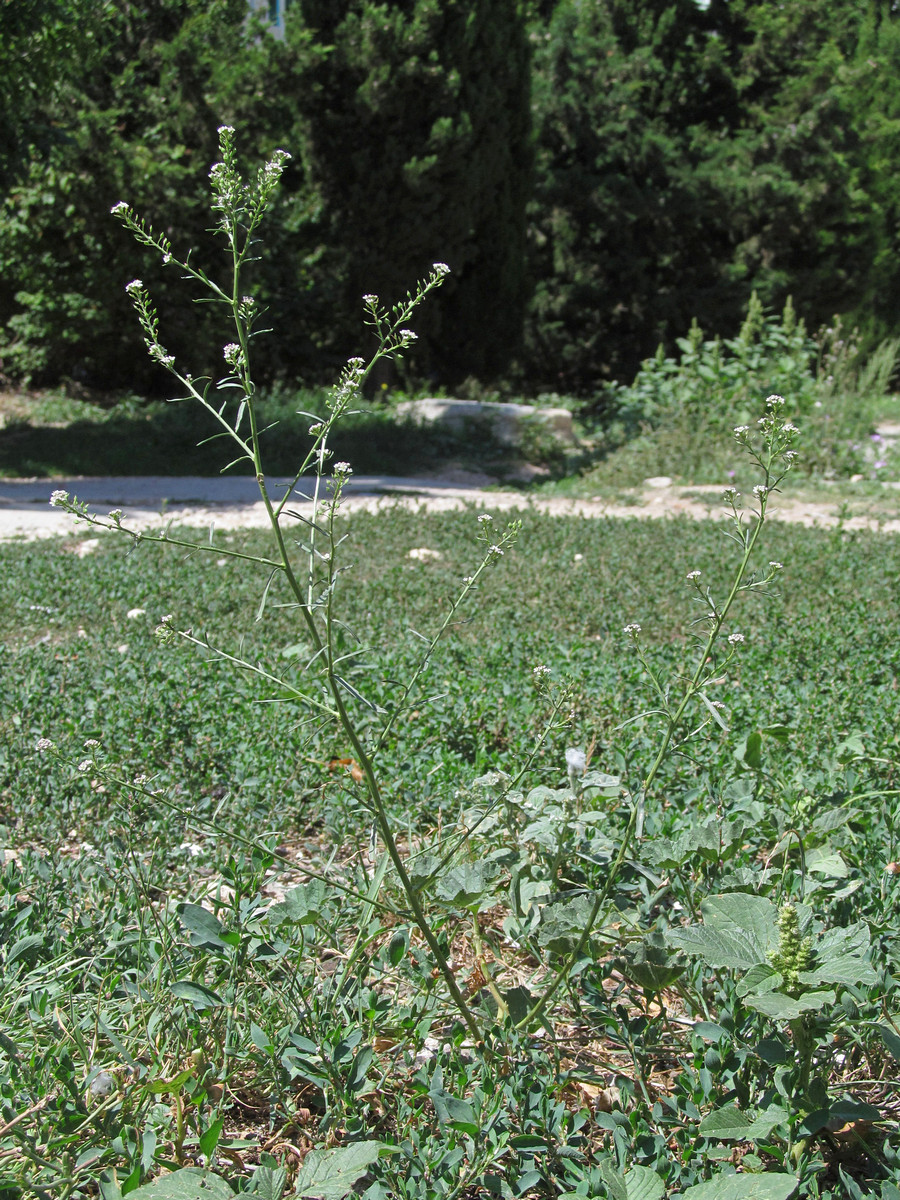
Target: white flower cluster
{"points": [[693, 576], [440, 269], [58, 498], [540, 672], [632, 630], [43, 744], [576, 763], [735, 639]]}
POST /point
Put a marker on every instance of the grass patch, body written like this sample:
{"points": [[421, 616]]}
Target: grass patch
{"points": [[158, 1012]]}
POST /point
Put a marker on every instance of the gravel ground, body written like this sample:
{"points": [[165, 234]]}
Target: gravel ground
{"points": [[233, 503]]}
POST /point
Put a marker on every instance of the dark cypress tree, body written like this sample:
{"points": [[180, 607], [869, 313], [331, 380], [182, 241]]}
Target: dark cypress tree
{"points": [[627, 237], [416, 124]]}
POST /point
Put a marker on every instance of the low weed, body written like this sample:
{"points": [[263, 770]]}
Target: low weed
{"points": [[319, 903], [676, 417]]}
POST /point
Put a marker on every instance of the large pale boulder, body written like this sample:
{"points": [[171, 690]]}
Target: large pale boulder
{"points": [[509, 422]]}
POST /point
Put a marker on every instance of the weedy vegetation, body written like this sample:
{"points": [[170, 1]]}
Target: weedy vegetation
{"points": [[335, 866]]}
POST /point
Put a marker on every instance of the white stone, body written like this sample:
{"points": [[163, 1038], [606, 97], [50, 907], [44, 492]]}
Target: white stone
{"points": [[507, 421]]}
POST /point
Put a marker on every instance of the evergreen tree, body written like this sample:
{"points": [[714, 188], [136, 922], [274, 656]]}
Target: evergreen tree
{"points": [[415, 123], [627, 238]]}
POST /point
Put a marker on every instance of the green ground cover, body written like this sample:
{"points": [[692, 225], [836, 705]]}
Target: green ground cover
{"points": [[178, 992]]}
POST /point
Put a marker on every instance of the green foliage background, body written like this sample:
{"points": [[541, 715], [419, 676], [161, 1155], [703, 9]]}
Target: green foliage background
{"points": [[595, 173]]}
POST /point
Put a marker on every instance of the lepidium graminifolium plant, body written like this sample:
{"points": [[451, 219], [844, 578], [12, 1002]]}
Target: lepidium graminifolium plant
{"points": [[683, 706], [311, 566]]}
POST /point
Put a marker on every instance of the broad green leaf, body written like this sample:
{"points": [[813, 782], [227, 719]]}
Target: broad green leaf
{"points": [[269, 1183], [840, 957], [465, 885], [597, 779], [204, 927], [302, 905], [642, 1183], [332, 1174], [891, 1039], [738, 931], [650, 965], [564, 921], [785, 1008], [190, 1183], [847, 1109], [768, 1120], [830, 819], [728, 1123], [209, 1139], [749, 751], [453, 1111], [614, 1180], [822, 860], [774, 1185], [201, 997], [759, 979]]}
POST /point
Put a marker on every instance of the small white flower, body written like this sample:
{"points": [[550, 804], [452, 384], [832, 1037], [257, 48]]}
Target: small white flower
{"points": [[119, 208], [730, 495], [692, 575], [541, 672], [85, 765], [776, 566], [407, 335], [91, 743], [225, 129], [633, 629], [232, 352], [495, 551], [134, 613], [140, 780], [370, 299], [356, 361], [134, 286], [440, 269], [468, 580], [760, 490], [774, 401], [741, 429], [43, 744], [343, 468], [576, 762], [485, 519], [789, 427], [58, 497], [790, 455], [315, 430], [735, 639]]}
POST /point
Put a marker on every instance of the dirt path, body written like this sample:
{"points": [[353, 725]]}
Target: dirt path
{"points": [[232, 503]]}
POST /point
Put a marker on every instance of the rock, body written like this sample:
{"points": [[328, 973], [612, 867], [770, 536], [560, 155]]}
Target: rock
{"points": [[508, 422]]}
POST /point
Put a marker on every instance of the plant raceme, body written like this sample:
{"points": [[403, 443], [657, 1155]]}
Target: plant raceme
{"points": [[555, 855]]}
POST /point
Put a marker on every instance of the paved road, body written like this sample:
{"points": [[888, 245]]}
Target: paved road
{"points": [[232, 502], [229, 501]]}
